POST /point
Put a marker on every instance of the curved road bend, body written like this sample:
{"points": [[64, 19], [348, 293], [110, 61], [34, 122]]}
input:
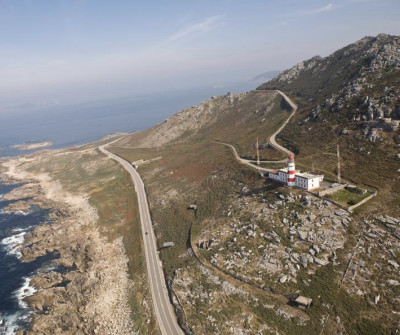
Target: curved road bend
{"points": [[272, 138], [248, 162], [165, 315]]}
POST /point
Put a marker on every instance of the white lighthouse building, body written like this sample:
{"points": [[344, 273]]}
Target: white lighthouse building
{"points": [[291, 177]]}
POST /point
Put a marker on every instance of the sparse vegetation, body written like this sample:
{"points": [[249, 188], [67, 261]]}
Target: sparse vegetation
{"points": [[347, 198]]}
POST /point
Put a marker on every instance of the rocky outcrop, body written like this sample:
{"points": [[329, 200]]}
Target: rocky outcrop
{"points": [[375, 277], [89, 299], [371, 53], [190, 120], [90, 295], [28, 190], [384, 52], [292, 74], [358, 80], [47, 280], [258, 253]]}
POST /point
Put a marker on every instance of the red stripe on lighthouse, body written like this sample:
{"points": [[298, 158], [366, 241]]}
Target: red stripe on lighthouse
{"points": [[292, 171]]}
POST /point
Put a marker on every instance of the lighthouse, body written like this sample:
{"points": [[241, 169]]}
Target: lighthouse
{"points": [[291, 171], [291, 177]]}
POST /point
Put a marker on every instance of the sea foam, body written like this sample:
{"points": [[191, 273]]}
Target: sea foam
{"points": [[15, 213], [13, 244], [17, 230], [24, 291], [9, 323], [22, 213]]}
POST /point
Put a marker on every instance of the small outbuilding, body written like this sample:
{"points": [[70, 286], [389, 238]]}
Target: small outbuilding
{"points": [[303, 302]]}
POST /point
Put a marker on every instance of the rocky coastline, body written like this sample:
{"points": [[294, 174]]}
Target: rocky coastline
{"points": [[87, 292], [32, 146]]}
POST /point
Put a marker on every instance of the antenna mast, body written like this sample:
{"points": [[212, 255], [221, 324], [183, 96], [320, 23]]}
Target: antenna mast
{"points": [[258, 153], [339, 177]]}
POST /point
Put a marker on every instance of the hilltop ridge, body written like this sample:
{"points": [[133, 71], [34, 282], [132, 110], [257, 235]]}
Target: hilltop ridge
{"points": [[235, 118], [350, 98], [360, 81]]}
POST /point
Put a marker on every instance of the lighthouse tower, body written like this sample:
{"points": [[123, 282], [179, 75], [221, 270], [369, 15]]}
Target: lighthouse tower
{"points": [[291, 171]]}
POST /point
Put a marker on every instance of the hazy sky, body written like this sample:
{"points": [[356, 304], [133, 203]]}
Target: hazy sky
{"points": [[99, 48]]}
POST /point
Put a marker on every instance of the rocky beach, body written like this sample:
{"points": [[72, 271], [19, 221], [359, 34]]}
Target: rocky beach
{"points": [[90, 295]]}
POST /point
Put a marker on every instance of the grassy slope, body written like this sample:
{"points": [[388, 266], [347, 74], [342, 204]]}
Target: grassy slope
{"points": [[254, 117], [202, 173], [196, 170]]}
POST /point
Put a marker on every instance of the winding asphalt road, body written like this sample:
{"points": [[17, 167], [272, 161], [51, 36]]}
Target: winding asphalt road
{"points": [[247, 161], [272, 140], [165, 315]]}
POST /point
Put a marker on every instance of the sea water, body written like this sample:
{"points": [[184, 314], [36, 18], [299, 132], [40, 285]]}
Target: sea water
{"points": [[15, 275], [75, 124]]}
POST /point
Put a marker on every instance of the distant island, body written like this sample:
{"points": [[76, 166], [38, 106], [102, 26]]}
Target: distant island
{"points": [[32, 146], [266, 76]]}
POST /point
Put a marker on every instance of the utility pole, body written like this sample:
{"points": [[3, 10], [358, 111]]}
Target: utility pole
{"points": [[258, 153], [339, 177]]}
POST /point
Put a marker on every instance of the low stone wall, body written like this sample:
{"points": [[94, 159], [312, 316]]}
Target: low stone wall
{"points": [[373, 194], [349, 209], [329, 180], [332, 190]]}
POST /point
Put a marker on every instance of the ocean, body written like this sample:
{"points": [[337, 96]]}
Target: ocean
{"points": [[15, 274], [67, 126], [75, 124]]}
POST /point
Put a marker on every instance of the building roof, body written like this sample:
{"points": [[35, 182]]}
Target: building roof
{"points": [[303, 301], [308, 175], [278, 170]]}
